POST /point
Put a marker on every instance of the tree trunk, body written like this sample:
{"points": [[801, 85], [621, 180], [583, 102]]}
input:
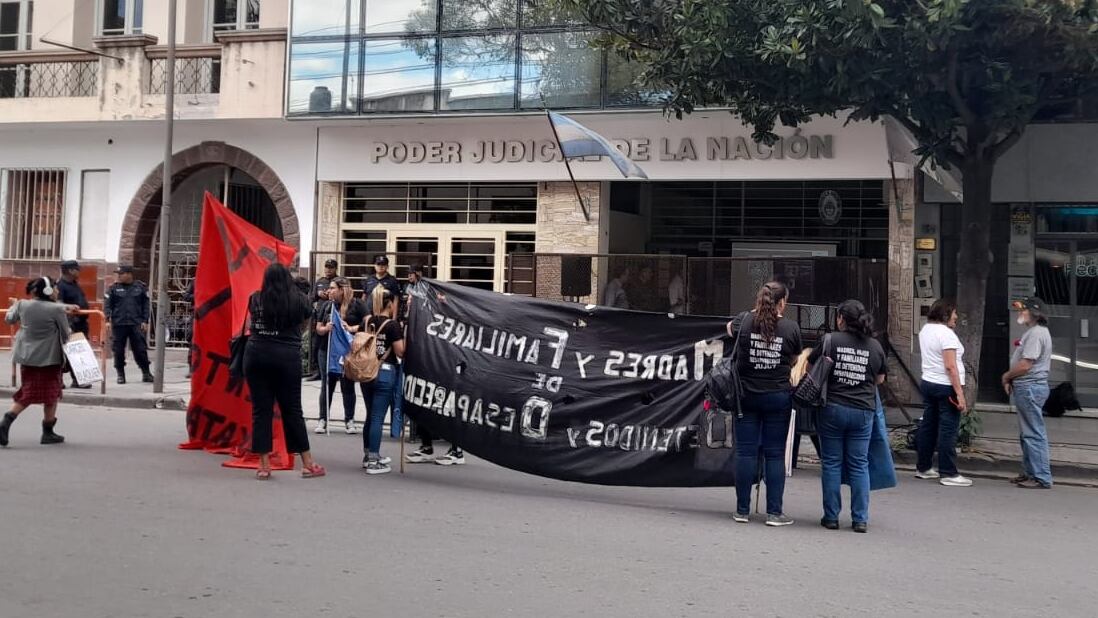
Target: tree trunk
{"points": [[974, 266]]}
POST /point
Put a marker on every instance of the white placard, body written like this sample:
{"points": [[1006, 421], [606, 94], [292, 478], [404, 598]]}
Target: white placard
{"points": [[82, 360]]}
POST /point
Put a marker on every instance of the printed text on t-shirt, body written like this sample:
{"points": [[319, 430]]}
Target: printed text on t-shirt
{"points": [[850, 366], [765, 355]]}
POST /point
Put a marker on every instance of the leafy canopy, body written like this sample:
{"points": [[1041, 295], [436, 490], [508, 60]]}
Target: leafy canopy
{"points": [[964, 76]]}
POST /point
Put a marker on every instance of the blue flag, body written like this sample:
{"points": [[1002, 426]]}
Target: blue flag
{"points": [[577, 141], [339, 343]]}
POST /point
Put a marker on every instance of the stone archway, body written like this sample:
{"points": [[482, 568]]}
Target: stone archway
{"points": [[139, 224]]}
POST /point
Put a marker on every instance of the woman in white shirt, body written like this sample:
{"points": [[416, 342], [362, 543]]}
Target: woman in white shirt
{"points": [[943, 396]]}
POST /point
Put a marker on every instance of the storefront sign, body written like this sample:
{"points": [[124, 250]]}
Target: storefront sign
{"points": [[796, 146]]}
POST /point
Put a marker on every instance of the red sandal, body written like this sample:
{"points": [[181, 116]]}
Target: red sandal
{"points": [[313, 471], [262, 475]]}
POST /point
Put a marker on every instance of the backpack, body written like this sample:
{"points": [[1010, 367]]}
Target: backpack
{"points": [[722, 384], [1061, 399], [362, 364]]}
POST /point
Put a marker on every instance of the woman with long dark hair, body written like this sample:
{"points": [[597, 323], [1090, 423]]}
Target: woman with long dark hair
{"points": [[272, 367], [846, 422], [39, 354], [768, 345], [352, 312]]}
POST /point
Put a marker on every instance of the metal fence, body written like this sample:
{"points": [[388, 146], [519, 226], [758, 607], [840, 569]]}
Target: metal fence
{"points": [[49, 79], [703, 286], [200, 75]]}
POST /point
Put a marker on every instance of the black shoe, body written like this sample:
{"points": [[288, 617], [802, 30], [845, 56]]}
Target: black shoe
{"points": [[82, 386], [860, 526], [147, 378], [5, 424], [121, 379], [48, 436], [830, 524]]}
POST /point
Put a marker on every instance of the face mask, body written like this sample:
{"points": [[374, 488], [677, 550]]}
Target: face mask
{"points": [[1021, 319]]}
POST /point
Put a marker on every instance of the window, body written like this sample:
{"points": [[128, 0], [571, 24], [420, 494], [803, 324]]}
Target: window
{"points": [[15, 24], [235, 15], [33, 202], [119, 17], [493, 203]]}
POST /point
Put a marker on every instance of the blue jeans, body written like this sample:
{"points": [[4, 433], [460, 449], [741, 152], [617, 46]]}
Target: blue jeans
{"points": [[381, 394], [844, 443], [1030, 398], [938, 430], [764, 426]]}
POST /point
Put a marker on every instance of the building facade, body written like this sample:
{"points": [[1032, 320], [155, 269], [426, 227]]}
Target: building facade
{"points": [[357, 127]]}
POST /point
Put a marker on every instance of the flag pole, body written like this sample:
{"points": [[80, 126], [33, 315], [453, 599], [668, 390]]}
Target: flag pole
{"points": [[324, 384], [567, 166]]}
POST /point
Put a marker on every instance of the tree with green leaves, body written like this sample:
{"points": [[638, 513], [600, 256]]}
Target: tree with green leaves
{"points": [[965, 77]]}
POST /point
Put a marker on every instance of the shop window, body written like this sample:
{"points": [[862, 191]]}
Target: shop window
{"points": [[119, 17], [560, 69], [231, 15], [33, 203], [478, 73], [1072, 219], [478, 14], [16, 24]]}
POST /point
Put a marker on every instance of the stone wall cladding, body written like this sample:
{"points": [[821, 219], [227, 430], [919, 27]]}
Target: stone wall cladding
{"points": [[562, 228], [901, 283]]}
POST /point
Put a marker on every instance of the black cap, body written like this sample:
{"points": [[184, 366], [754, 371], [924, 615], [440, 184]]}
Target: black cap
{"points": [[70, 265], [381, 260], [330, 263], [125, 268], [1031, 303]]}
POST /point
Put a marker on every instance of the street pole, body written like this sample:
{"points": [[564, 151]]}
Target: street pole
{"points": [[163, 303]]}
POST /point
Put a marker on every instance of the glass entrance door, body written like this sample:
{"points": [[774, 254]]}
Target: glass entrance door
{"points": [[1067, 279], [462, 256]]}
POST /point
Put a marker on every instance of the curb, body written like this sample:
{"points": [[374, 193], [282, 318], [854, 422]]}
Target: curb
{"points": [[164, 402], [989, 466]]}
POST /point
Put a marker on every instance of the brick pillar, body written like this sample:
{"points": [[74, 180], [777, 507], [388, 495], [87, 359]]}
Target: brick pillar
{"points": [[901, 282]]}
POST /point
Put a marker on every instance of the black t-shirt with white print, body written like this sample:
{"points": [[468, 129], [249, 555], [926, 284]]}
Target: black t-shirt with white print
{"points": [[858, 362], [763, 365], [386, 337]]}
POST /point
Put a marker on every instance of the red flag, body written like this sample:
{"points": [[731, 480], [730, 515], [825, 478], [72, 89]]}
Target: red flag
{"points": [[232, 257]]}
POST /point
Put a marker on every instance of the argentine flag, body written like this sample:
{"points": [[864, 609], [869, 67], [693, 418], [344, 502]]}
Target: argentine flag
{"points": [[577, 141], [339, 343]]}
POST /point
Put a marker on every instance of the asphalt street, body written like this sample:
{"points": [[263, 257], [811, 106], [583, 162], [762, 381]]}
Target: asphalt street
{"points": [[118, 523]]}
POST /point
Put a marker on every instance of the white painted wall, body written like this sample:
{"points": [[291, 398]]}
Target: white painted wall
{"points": [[860, 151], [1051, 163], [137, 149]]}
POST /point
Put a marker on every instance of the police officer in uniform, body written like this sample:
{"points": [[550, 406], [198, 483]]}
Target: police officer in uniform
{"points": [[318, 296], [70, 293], [127, 309], [385, 279]]}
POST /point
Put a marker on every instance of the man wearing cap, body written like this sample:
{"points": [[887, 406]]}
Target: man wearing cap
{"points": [[319, 295], [383, 278], [1027, 383], [127, 309], [70, 293]]}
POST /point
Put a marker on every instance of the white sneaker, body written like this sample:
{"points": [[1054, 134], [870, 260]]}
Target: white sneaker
{"points": [[420, 456], [383, 461], [321, 427], [377, 467], [929, 474], [451, 459], [351, 428], [956, 481]]}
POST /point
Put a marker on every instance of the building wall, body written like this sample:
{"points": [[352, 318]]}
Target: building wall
{"points": [[130, 151]]}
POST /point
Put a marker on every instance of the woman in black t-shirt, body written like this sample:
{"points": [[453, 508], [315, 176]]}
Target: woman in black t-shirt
{"points": [[846, 422], [381, 394], [767, 345], [272, 368]]}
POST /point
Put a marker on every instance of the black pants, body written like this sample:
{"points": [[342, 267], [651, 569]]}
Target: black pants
{"points": [[81, 329], [314, 349], [131, 333], [346, 388], [273, 373], [426, 440]]}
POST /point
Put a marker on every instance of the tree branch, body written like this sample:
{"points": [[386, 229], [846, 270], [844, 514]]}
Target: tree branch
{"points": [[999, 148], [955, 94]]}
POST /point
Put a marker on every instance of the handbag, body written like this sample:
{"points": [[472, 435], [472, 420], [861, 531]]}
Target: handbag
{"points": [[812, 390], [237, 345], [722, 384]]}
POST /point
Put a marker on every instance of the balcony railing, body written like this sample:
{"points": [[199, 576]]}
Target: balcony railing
{"points": [[193, 75], [25, 76]]}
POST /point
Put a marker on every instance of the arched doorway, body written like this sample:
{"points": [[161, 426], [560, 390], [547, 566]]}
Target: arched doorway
{"points": [[241, 181]]}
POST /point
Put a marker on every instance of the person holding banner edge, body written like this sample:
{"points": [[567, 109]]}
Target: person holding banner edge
{"points": [[70, 293], [768, 346], [38, 352], [349, 311], [272, 367]]}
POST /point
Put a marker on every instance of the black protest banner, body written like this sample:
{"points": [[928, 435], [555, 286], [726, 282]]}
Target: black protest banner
{"points": [[576, 393]]}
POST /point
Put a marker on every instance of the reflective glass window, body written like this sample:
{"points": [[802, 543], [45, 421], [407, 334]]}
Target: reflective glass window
{"points": [[399, 76], [326, 18], [478, 14], [478, 72], [562, 68], [323, 77], [401, 16]]}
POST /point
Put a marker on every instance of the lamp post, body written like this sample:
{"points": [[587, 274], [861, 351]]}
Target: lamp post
{"points": [[163, 302]]}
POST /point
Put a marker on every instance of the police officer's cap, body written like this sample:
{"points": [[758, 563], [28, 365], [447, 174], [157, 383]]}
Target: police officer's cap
{"points": [[330, 263], [70, 265], [125, 268]]}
